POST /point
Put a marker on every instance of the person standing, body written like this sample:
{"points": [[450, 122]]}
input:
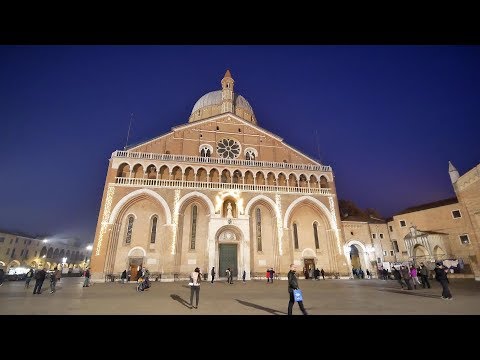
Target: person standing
{"points": [[272, 273], [323, 273], [212, 273], [424, 275], [53, 280], [2, 276], [28, 278], [441, 277], [123, 277], [195, 279], [293, 285], [230, 277], [244, 276], [86, 282], [227, 272], [39, 279]]}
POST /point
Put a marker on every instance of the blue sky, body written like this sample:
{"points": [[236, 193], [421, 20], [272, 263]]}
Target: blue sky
{"points": [[386, 118]]}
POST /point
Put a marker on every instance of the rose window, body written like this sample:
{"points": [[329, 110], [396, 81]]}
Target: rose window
{"points": [[228, 148]]}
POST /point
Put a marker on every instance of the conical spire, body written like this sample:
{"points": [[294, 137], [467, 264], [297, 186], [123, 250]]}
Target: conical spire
{"points": [[227, 93], [227, 74], [452, 171]]}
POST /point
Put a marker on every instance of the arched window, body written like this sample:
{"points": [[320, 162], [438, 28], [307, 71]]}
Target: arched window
{"points": [[250, 155], [315, 234], [258, 219], [205, 153], [153, 232], [295, 236], [128, 237], [193, 233]]}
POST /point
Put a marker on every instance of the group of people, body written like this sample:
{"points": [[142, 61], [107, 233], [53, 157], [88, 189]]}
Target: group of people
{"points": [[407, 277]]}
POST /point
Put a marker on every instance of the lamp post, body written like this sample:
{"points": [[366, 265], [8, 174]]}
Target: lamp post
{"points": [[87, 258]]}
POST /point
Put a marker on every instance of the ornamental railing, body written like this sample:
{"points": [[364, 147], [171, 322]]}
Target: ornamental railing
{"points": [[209, 160], [218, 186]]}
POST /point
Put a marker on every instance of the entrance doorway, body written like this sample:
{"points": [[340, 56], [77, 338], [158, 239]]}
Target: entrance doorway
{"points": [[227, 259], [309, 265], [134, 264]]}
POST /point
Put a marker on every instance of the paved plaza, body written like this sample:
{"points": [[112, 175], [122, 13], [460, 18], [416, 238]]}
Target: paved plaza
{"points": [[255, 297]]}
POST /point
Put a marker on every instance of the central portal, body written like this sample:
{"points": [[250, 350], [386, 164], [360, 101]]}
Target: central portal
{"points": [[227, 259]]}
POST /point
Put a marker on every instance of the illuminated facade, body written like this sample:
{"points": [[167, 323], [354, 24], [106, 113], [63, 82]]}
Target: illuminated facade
{"points": [[218, 191]]}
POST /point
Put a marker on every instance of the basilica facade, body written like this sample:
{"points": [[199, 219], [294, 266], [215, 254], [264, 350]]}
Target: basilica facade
{"points": [[218, 191], [222, 192]]}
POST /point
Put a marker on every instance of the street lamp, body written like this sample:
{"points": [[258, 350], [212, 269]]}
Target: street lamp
{"points": [[89, 247]]}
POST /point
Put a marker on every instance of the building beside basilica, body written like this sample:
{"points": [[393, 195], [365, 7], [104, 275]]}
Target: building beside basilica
{"points": [[220, 191]]}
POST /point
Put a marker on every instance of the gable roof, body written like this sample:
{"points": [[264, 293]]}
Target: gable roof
{"points": [[245, 122], [431, 205]]}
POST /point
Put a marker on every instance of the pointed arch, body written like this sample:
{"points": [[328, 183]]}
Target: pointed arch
{"points": [[199, 195], [322, 207], [137, 193], [258, 198], [141, 249]]}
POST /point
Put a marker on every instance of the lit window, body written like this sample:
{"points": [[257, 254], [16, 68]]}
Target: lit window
{"points": [[464, 239], [315, 234], [295, 236], [384, 252], [193, 233], [153, 232], [128, 237], [258, 218]]}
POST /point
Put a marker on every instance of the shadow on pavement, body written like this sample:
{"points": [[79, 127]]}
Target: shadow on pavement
{"points": [[180, 300], [259, 307], [411, 292]]}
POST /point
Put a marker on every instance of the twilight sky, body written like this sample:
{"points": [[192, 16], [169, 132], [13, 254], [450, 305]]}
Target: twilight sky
{"points": [[387, 118]]}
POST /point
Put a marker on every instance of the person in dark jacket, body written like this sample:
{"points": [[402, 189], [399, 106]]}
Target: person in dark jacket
{"points": [[424, 275], [397, 276], [123, 277], [39, 279], [441, 277], [293, 285], [2, 276], [213, 273]]}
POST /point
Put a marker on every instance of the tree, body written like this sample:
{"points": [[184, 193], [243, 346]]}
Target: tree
{"points": [[372, 213], [349, 208]]}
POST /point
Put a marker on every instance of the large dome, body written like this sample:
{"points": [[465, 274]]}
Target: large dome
{"points": [[215, 98], [222, 101]]}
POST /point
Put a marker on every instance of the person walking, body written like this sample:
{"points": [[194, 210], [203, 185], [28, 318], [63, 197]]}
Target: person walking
{"points": [[405, 273], [441, 277], [424, 275], [244, 276], [397, 276], [123, 277], [212, 273], [39, 279], [230, 277], [28, 278], [323, 273], [414, 275], [293, 285], [195, 278]]}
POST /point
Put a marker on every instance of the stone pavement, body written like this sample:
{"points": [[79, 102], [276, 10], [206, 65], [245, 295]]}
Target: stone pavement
{"points": [[255, 297]]}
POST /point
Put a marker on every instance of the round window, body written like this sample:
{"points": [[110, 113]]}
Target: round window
{"points": [[228, 148]]}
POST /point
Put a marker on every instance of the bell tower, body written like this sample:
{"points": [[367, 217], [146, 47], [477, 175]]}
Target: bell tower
{"points": [[227, 93]]}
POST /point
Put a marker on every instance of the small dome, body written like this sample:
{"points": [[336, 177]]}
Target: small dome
{"points": [[215, 98]]}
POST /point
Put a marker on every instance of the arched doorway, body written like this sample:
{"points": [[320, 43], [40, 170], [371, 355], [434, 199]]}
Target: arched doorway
{"points": [[420, 254], [135, 260], [438, 253], [309, 257], [357, 256], [228, 251]]}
